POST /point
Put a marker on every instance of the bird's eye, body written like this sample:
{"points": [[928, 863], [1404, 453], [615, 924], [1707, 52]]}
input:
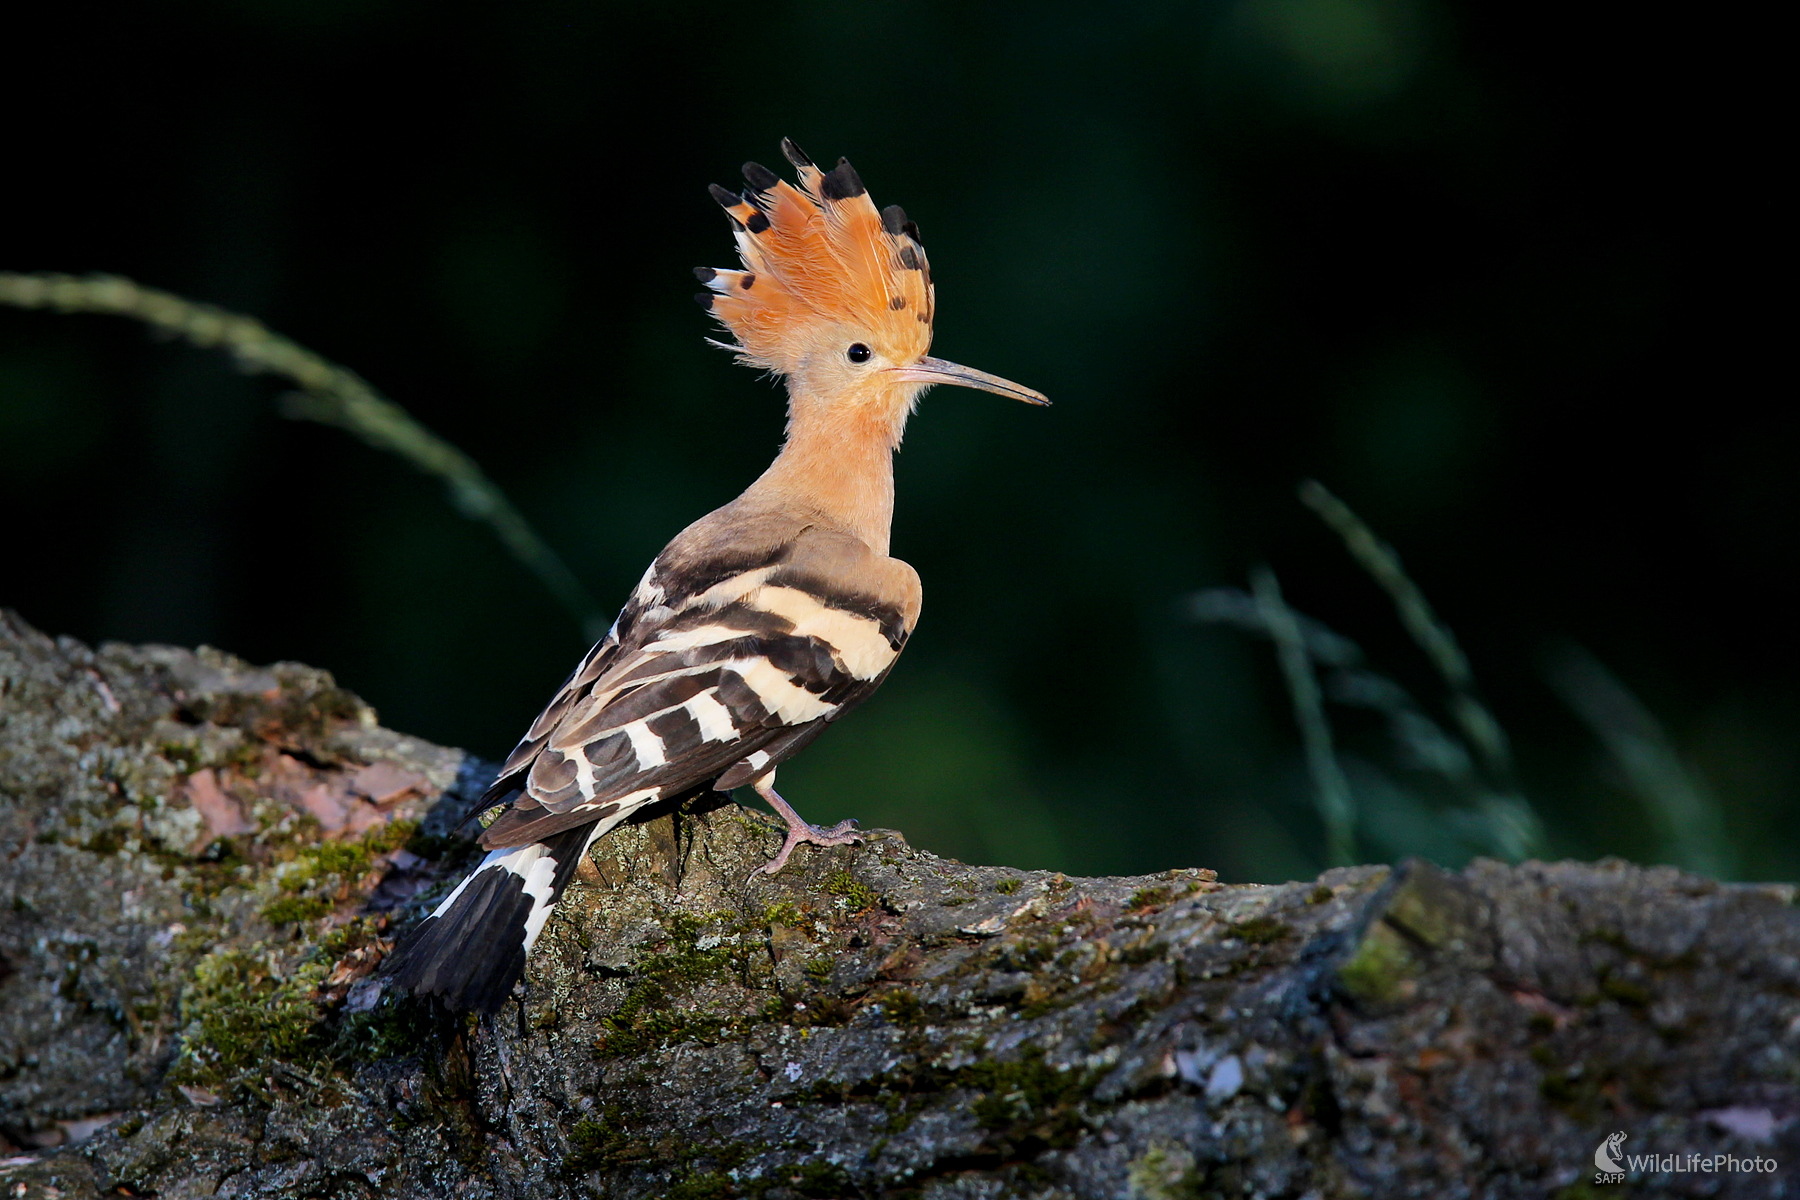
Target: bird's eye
{"points": [[859, 353]]}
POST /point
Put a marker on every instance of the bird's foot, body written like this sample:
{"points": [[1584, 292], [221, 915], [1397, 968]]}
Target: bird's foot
{"points": [[844, 833]]}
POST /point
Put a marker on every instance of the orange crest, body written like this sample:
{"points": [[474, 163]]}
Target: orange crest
{"points": [[819, 260]]}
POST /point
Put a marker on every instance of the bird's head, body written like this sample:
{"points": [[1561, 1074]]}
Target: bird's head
{"points": [[833, 295]]}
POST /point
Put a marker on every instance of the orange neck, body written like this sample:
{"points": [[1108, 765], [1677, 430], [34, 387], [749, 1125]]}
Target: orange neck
{"points": [[838, 461]]}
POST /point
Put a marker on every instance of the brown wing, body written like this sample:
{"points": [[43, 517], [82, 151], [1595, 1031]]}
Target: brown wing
{"points": [[721, 666]]}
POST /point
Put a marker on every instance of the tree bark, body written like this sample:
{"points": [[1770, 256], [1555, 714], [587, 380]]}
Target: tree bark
{"points": [[205, 860]]}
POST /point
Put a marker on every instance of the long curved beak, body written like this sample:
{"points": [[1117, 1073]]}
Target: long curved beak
{"points": [[936, 370]]}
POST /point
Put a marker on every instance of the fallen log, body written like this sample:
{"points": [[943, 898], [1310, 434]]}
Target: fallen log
{"points": [[205, 860]]}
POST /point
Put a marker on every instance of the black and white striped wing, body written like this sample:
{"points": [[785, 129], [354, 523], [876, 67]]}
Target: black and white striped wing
{"points": [[574, 689], [721, 681], [716, 671]]}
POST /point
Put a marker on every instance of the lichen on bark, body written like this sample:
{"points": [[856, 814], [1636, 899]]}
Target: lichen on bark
{"points": [[206, 860]]}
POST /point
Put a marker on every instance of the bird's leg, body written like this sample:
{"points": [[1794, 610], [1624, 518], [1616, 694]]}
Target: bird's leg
{"points": [[841, 834]]}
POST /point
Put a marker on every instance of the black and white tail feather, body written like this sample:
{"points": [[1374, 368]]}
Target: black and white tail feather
{"points": [[471, 950]]}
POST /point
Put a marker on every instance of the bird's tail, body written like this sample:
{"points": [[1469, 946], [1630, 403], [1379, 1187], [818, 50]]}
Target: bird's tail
{"points": [[471, 949]]}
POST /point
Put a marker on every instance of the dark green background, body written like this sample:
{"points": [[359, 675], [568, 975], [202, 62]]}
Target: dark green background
{"points": [[1495, 274]]}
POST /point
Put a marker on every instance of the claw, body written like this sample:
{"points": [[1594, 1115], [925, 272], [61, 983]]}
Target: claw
{"points": [[844, 833]]}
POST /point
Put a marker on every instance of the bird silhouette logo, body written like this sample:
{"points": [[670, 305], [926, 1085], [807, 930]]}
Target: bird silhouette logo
{"points": [[1606, 1154]]}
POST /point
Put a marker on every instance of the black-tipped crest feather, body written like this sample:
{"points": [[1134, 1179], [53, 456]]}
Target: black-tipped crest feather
{"points": [[841, 182], [760, 177], [794, 153]]}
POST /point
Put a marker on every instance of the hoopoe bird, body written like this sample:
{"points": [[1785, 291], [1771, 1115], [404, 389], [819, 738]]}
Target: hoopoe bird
{"points": [[761, 623]]}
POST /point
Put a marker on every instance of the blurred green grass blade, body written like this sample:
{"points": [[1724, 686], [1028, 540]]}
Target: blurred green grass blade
{"points": [[330, 394], [1240, 610], [1503, 824], [1494, 816], [1493, 822], [1331, 791], [1432, 635], [1683, 808]]}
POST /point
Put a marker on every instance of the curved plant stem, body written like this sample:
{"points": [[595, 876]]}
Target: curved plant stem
{"points": [[329, 394]]}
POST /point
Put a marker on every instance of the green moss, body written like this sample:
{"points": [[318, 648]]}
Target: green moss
{"points": [[1583, 1189], [1609, 937], [1028, 954], [902, 1111], [644, 1023], [1588, 1092], [355, 934], [649, 1018], [818, 969], [1166, 1171], [860, 895], [1319, 895], [1008, 886], [1685, 961], [782, 913], [1557, 1088], [395, 1027], [286, 910], [816, 1180], [1626, 991], [1024, 1106], [1260, 931], [1148, 897], [1028, 1103], [436, 846], [318, 875], [315, 857], [712, 1185], [109, 840], [903, 1008], [389, 837], [324, 861], [185, 755], [600, 1143], [1380, 968], [219, 866], [238, 1016], [1143, 950], [267, 718], [822, 1180]]}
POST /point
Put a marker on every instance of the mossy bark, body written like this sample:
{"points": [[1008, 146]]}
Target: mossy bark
{"points": [[205, 861]]}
